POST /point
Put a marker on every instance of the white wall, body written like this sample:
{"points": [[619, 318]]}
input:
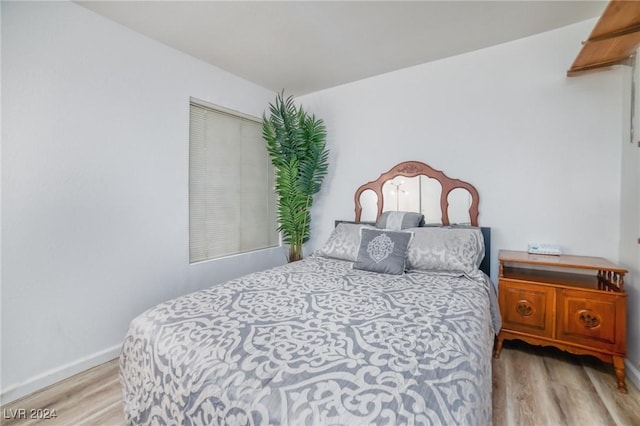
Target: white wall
{"points": [[542, 150], [630, 230], [95, 185]]}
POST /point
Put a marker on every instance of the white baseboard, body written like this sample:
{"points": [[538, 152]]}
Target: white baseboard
{"points": [[54, 375], [632, 372]]}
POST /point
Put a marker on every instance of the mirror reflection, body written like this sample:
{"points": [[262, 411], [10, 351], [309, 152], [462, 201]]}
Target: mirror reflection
{"points": [[430, 193], [418, 194], [459, 204], [369, 202], [401, 194]]}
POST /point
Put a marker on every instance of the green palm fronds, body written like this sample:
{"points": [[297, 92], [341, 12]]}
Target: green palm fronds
{"points": [[297, 147]]}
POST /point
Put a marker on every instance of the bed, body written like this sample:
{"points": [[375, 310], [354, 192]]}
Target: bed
{"points": [[332, 340]]}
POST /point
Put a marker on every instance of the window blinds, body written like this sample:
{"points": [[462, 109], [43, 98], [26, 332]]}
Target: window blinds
{"points": [[232, 205]]}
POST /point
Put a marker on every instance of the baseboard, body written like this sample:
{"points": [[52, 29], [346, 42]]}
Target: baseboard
{"points": [[54, 375], [632, 372]]}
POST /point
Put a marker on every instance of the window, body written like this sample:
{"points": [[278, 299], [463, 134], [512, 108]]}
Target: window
{"points": [[232, 205]]}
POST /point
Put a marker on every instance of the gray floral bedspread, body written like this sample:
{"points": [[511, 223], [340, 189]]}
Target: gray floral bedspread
{"points": [[315, 343]]}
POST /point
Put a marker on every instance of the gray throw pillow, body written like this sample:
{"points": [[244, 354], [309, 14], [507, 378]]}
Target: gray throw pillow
{"points": [[383, 251], [396, 221], [344, 242]]}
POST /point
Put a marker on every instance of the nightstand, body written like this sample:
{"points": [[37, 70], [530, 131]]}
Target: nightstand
{"points": [[575, 303]]}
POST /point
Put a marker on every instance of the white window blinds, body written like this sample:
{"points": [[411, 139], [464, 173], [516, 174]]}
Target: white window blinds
{"points": [[232, 206]]}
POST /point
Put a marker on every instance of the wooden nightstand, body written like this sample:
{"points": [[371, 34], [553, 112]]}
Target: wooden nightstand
{"points": [[575, 303]]}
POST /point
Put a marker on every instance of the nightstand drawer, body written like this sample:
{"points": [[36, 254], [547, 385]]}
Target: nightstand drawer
{"points": [[527, 308], [592, 320]]}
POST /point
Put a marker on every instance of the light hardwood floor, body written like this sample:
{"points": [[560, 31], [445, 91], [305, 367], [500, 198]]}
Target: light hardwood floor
{"points": [[531, 386], [545, 386]]}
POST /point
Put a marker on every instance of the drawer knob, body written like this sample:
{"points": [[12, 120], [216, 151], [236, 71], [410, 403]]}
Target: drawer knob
{"points": [[588, 319], [524, 308]]}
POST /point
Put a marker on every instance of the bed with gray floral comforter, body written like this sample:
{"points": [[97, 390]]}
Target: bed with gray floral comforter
{"points": [[315, 342]]}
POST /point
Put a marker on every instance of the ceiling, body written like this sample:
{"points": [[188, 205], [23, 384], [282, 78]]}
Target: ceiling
{"points": [[306, 46]]}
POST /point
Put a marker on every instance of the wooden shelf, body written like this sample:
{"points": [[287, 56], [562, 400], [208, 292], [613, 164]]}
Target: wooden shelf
{"points": [[613, 41], [566, 279], [564, 260]]}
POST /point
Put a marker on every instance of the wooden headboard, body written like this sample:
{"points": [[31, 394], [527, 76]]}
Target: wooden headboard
{"points": [[416, 168]]}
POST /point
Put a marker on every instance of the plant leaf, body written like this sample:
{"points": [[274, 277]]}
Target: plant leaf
{"points": [[296, 143]]}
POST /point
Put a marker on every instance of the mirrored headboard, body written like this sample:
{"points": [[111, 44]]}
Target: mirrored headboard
{"points": [[415, 186]]}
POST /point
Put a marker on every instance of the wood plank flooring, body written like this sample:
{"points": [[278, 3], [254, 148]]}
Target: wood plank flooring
{"points": [[545, 386], [93, 397], [531, 386]]}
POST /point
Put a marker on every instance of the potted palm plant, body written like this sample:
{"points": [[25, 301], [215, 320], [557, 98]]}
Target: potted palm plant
{"points": [[297, 148]]}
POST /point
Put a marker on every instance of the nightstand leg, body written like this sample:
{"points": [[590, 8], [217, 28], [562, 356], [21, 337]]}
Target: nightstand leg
{"points": [[496, 353], [618, 365]]}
